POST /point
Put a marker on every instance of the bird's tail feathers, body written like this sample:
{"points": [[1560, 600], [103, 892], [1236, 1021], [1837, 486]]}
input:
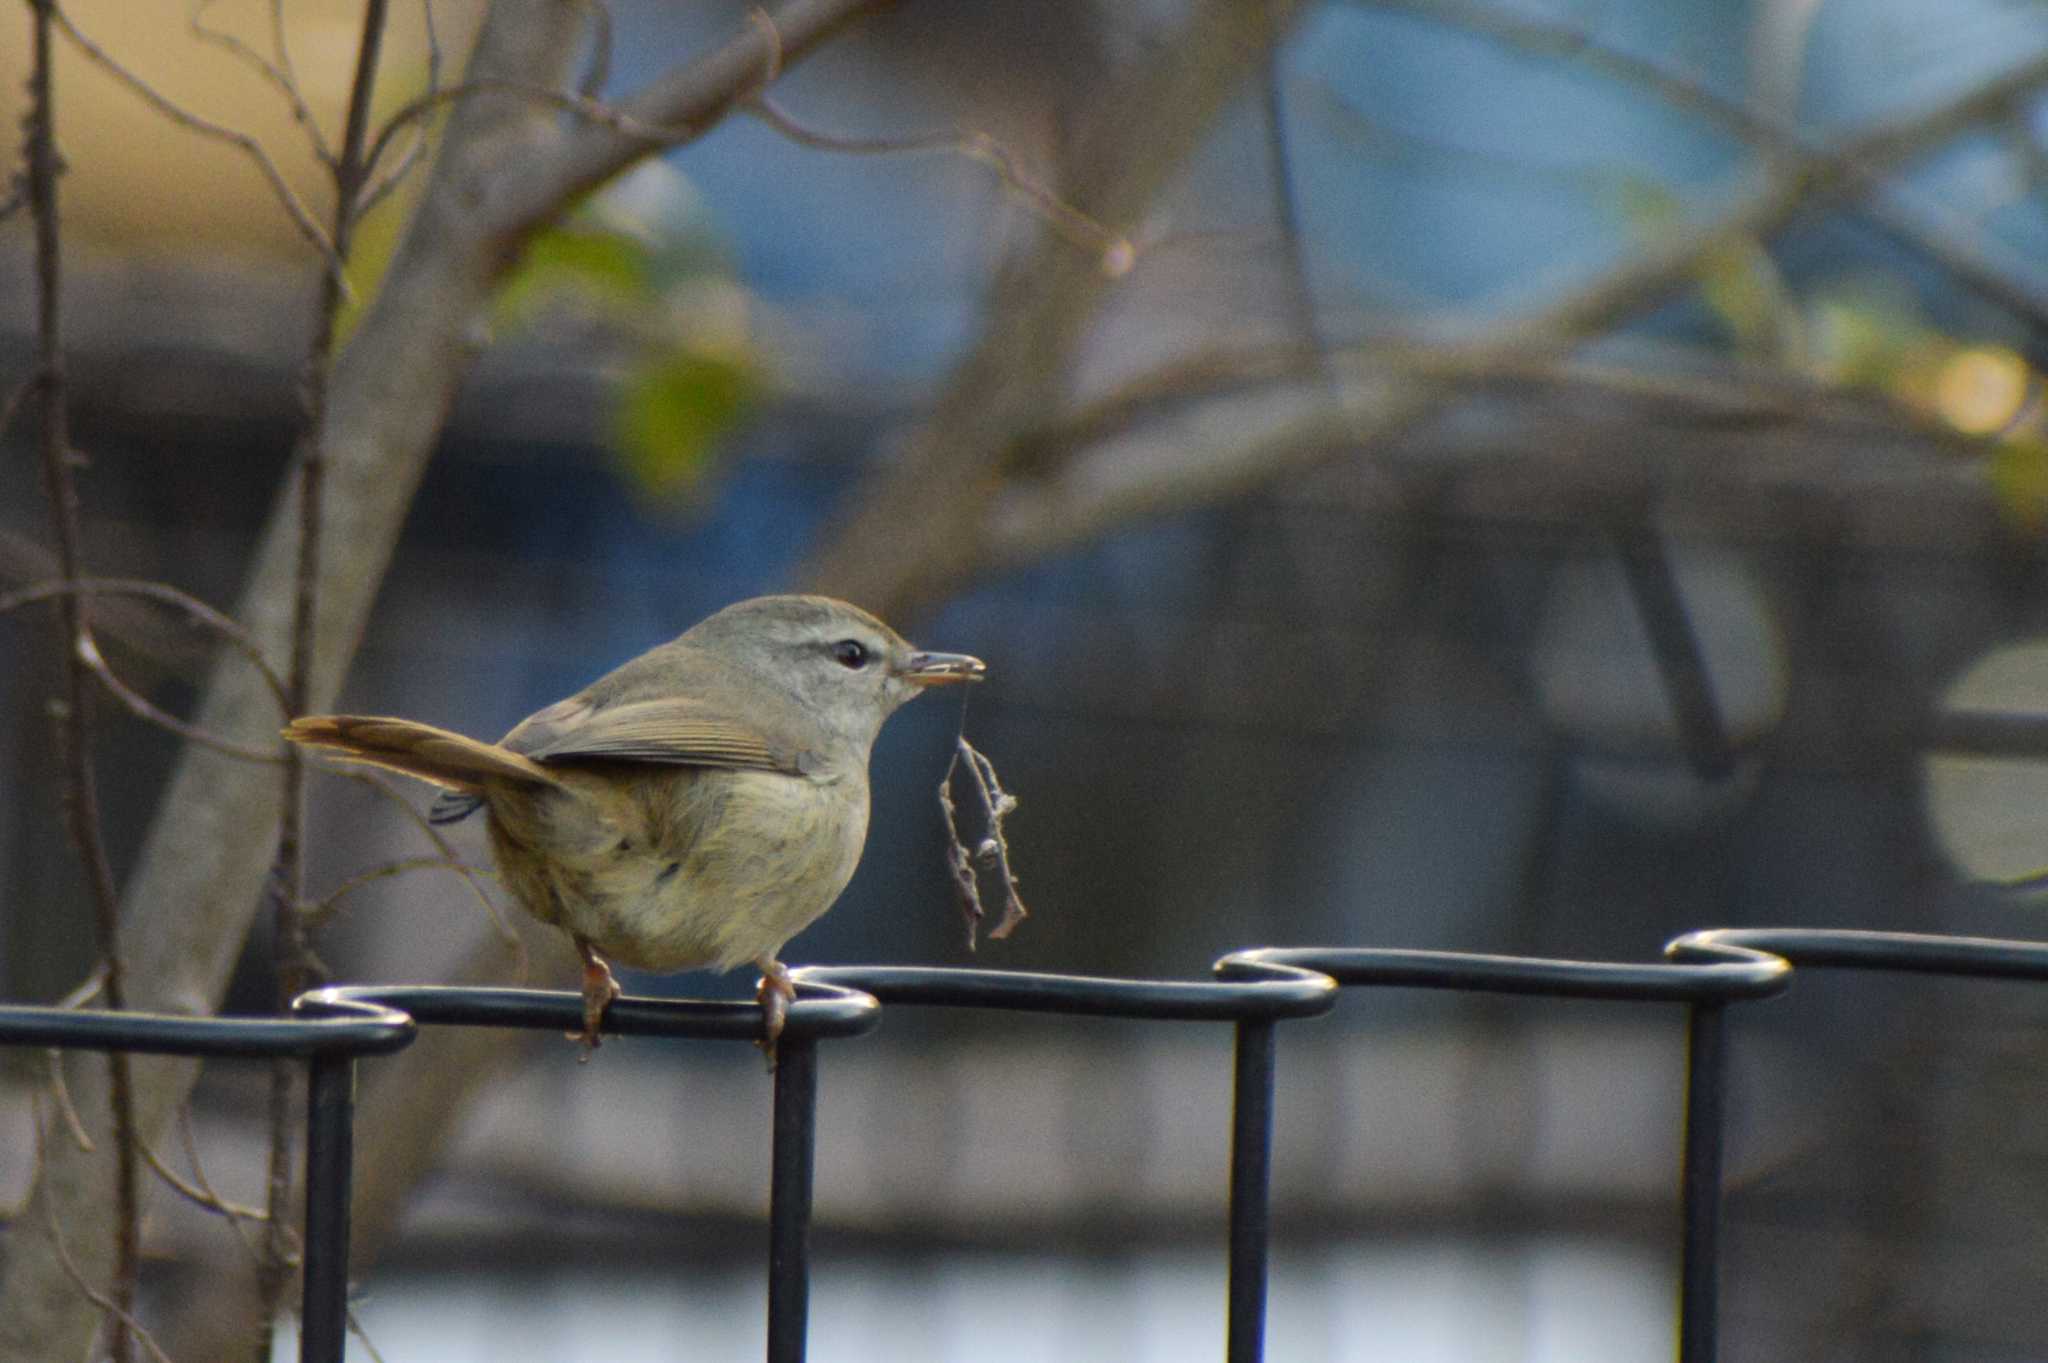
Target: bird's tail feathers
{"points": [[447, 759]]}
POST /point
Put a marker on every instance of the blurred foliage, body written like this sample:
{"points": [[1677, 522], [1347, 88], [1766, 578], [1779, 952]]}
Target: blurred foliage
{"points": [[581, 263], [670, 411], [1867, 332], [636, 264], [1737, 278]]}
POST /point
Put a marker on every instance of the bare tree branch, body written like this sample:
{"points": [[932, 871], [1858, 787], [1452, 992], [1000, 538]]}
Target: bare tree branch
{"points": [[1114, 250], [378, 187], [583, 106], [917, 522], [80, 791], [690, 100], [1922, 227], [297, 968], [192, 607], [1230, 448], [198, 1190], [142, 708]]}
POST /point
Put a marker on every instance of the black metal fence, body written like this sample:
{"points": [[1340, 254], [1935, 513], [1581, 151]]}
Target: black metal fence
{"points": [[1254, 991]]}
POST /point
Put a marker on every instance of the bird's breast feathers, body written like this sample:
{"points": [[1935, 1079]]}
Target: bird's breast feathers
{"points": [[712, 871]]}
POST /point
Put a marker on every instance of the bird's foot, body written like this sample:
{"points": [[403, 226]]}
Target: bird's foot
{"points": [[599, 989], [776, 993]]}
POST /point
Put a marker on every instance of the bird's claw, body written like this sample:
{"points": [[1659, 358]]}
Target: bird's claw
{"points": [[599, 989], [776, 992]]}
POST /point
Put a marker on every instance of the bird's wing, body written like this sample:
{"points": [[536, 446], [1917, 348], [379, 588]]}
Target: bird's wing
{"points": [[675, 730]]}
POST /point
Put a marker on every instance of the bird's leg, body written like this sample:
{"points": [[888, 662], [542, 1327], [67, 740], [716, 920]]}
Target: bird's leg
{"points": [[776, 993], [599, 989]]}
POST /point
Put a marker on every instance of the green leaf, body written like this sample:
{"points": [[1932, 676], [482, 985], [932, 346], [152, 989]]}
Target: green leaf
{"points": [[670, 413], [585, 265], [1737, 278], [2019, 479]]}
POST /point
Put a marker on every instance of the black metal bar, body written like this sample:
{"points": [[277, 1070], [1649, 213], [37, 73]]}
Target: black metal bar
{"points": [[789, 1198], [1269, 992], [1699, 1273], [1844, 949], [1734, 975], [1253, 989], [819, 1011], [330, 1142], [1251, 1181], [352, 1030]]}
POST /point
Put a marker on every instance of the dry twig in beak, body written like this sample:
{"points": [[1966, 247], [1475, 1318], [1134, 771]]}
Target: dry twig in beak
{"points": [[992, 852]]}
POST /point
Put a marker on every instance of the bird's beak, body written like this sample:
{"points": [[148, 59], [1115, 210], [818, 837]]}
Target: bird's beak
{"points": [[934, 669]]}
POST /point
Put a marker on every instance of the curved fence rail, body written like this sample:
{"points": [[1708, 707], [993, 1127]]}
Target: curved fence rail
{"points": [[1254, 991]]}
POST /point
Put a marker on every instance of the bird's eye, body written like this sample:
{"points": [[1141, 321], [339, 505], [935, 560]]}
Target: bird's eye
{"points": [[851, 653]]}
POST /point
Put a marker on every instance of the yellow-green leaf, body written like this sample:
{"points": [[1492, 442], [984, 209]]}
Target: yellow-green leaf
{"points": [[670, 413], [2019, 477], [586, 266]]}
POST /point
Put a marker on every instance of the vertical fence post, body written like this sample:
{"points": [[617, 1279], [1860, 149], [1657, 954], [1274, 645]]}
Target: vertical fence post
{"points": [[789, 1198], [1700, 1191], [1251, 1173], [330, 1141]]}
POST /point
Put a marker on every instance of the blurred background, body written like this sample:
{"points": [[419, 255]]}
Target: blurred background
{"points": [[1522, 479]]}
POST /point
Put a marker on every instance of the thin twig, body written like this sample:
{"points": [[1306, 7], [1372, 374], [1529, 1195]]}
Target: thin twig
{"points": [[296, 965], [80, 791], [275, 72], [1117, 252], [355, 1329], [190, 1139], [992, 852], [144, 709], [124, 1318], [321, 910], [959, 861], [301, 216], [1705, 389], [381, 187], [377, 188], [200, 613], [280, 43], [583, 106], [1927, 228], [582, 103], [87, 990], [60, 1093], [195, 1193], [504, 928]]}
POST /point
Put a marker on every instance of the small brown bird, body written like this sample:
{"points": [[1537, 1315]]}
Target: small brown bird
{"points": [[697, 807]]}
